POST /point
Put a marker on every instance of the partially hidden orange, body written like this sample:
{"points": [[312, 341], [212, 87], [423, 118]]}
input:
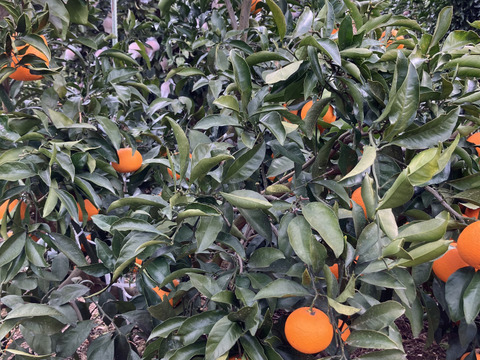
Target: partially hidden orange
{"points": [[329, 117], [389, 42], [309, 331], [128, 161], [344, 330], [477, 355], [468, 244], [11, 208], [22, 73], [334, 270], [357, 198], [253, 8], [89, 208], [471, 213], [475, 140], [448, 263], [163, 293]]}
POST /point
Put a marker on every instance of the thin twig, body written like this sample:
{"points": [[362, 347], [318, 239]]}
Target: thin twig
{"points": [[442, 201]]}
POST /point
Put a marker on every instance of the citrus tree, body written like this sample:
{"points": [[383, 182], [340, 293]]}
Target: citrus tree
{"points": [[253, 180]]}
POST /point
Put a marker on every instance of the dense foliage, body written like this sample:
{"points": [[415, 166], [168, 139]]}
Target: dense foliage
{"points": [[241, 210]]}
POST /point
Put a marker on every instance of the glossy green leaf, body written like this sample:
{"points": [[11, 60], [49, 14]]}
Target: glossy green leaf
{"points": [[323, 219], [264, 56], [120, 55], [167, 327], [367, 160], [278, 18], [201, 168], [183, 146], [443, 24], [304, 23], [264, 257], [313, 115], [216, 120], [11, 248], [243, 77], [197, 325], [371, 339], [259, 221], [112, 131], [282, 288], [300, 237], [252, 347], [137, 201], [222, 337], [423, 166], [471, 299], [378, 316], [246, 199], [429, 230], [246, 164], [206, 285], [342, 308], [384, 354], [228, 102], [425, 253], [207, 231], [455, 288], [273, 123], [14, 171], [190, 351], [399, 193], [326, 46], [354, 13], [430, 134], [284, 73]]}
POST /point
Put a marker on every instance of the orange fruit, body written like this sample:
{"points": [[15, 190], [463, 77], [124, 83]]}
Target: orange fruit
{"points": [[128, 161], [334, 270], [468, 244], [253, 8], [389, 42], [472, 213], [448, 263], [22, 73], [344, 330], [89, 208], [334, 31], [11, 207], [177, 175], [329, 117], [477, 355], [357, 198], [163, 294], [475, 139], [308, 331]]}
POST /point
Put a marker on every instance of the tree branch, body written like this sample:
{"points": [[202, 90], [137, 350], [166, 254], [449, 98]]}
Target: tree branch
{"points": [[442, 201]]}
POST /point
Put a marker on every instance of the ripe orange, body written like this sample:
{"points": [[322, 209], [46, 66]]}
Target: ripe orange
{"points": [[128, 161], [344, 330], [89, 208], [468, 244], [477, 355], [11, 207], [389, 42], [334, 270], [177, 175], [334, 31], [253, 9], [357, 198], [329, 117], [308, 331], [163, 293], [472, 213], [448, 263], [22, 73], [475, 139]]}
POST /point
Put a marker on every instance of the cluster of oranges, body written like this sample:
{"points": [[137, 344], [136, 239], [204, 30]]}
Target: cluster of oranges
{"points": [[22, 72], [329, 117]]}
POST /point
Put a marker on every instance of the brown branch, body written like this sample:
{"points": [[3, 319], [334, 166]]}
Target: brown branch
{"points": [[244, 17], [231, 14], [442, 201]]}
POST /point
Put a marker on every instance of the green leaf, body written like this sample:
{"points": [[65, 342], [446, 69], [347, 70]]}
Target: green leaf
{"points": [[14, 171], [367, 160], [284, 73], [183, 146], [378, 316], [455, 288], [207, 231], [246, 164], [313, 114], [67, 293], [443, 24], [341, 308], [68, 247], [385, 354], [371, 339], [201, 168], [252, 347], [243, 77], [273, 123], [259, 221], [354, 13], [78, 11], [68, 201], [222, 338], [424, 166], [137, 201], [216, 120], [11, 248], [31, 310], [263, 257], [326, 46], [471, 195], [430, 134], [190, 351], [323, 219], [282, 288], [471, 299], [69, 341], [425, 253], [246, 199], [300, 237], [429, 230], [206, 285], [166, 328], [130, 224], [263, 56], [399, 193], [111, 130], [228, 102], [197, 325], [120, 55], [278, 18]]}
